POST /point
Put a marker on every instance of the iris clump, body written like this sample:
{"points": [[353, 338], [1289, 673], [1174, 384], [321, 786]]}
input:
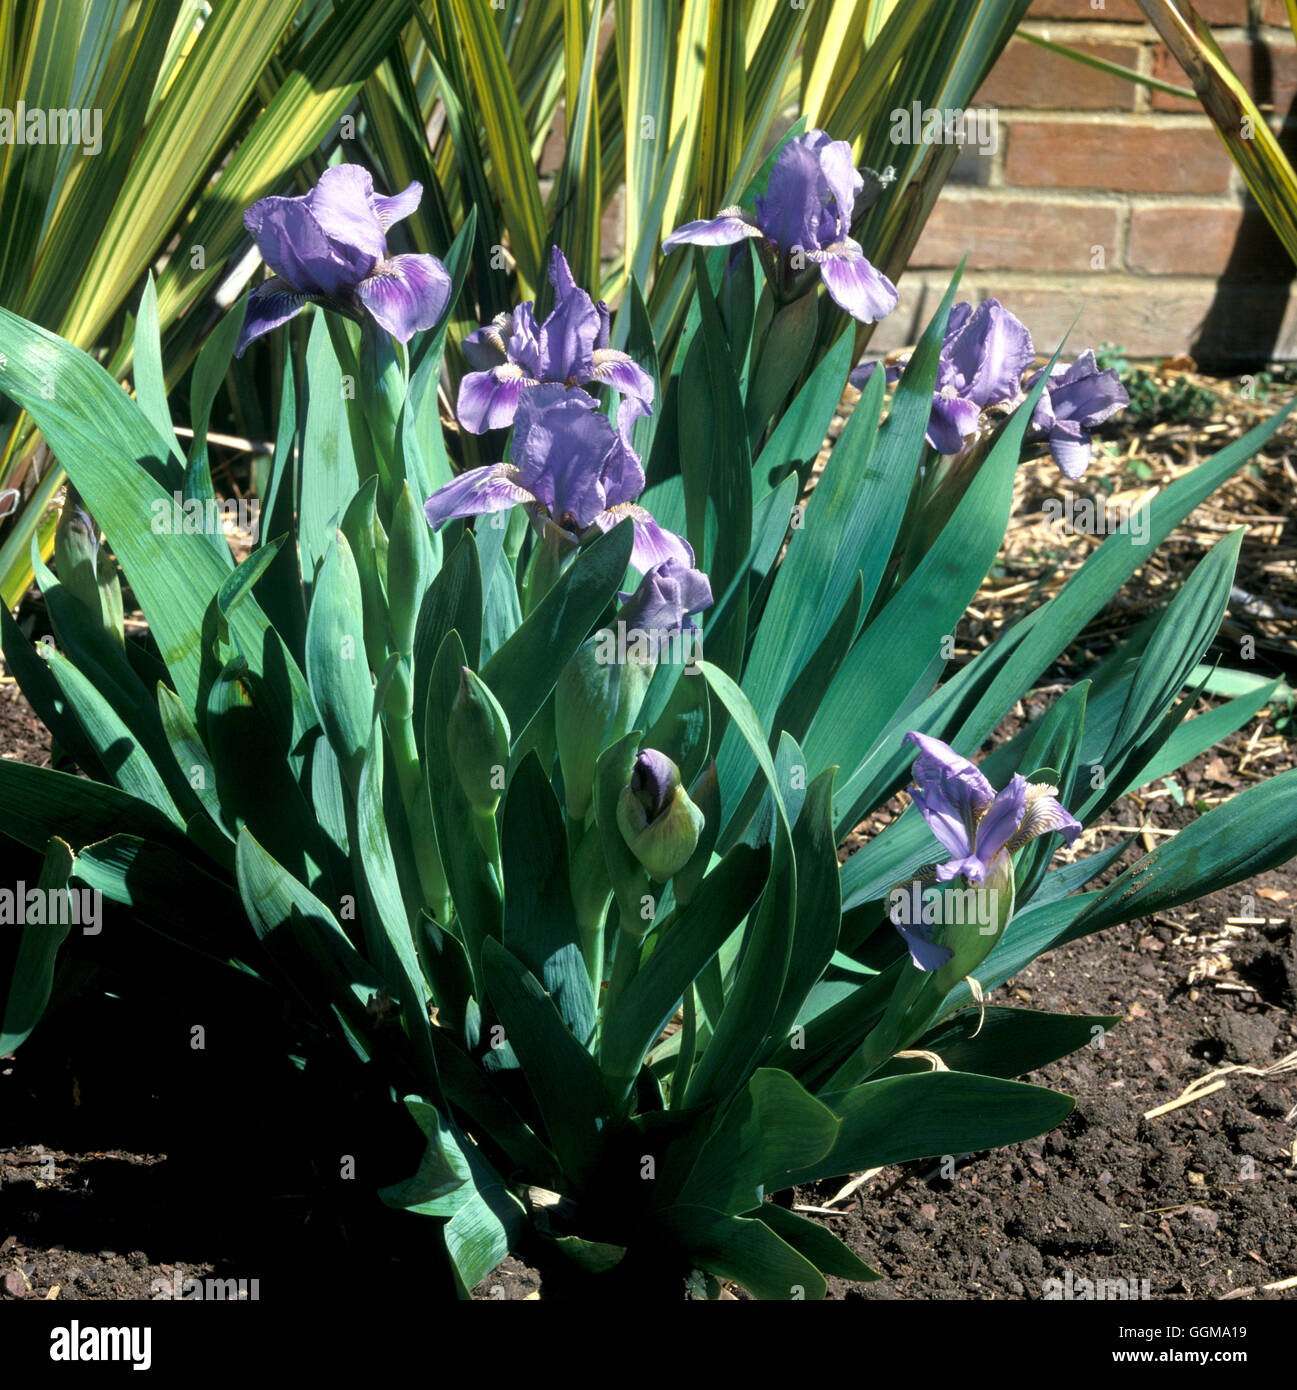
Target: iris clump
{"points": [[471, 789]]}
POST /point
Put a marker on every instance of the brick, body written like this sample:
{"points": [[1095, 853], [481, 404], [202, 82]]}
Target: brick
{"points": [[1030, 76], [1268, 71], [1016, 234], [1221, 13], [1133, 157], [1166, 239], [1146, 319]]}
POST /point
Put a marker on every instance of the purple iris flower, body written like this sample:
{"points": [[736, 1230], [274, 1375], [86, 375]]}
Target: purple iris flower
{"points": [[666, 598], [513, 354], [572, 470], [979, 827], [983, 356], [330, 247], [1075, 400], [806, 213]]}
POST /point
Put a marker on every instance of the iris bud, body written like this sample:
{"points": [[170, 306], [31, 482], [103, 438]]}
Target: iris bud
{"points": [[85, 568], [409, 569], [477, 735], [658, 821]]}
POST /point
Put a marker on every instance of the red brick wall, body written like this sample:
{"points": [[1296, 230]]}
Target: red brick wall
{"points": [[1106, 200]]}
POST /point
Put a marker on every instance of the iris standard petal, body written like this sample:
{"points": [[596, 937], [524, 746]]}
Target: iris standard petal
{"points": [[406, 294], [342, 203], [398, 207], [945, 820], [990, 354], [938, 765], [560, 443], [957, 320], [791, 210], [841, 180], [523, 343], [1002, 819], [855, 285], [622, 472], [294, 246], [568, 335]]}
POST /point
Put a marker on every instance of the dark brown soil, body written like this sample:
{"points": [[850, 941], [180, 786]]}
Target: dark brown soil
{"points": [[1198, 1201]]}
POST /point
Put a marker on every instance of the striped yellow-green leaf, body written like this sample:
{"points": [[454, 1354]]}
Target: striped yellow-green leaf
{"points": [[514, 173]]}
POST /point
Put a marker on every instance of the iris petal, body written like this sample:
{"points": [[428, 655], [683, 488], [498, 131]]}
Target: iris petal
{"points": [[653, 544], [489, 400], [267, 307], [399, 206], [727, 227], [294, 246], [342, 204], [855, 285], [491, 488], [406, 294]]}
